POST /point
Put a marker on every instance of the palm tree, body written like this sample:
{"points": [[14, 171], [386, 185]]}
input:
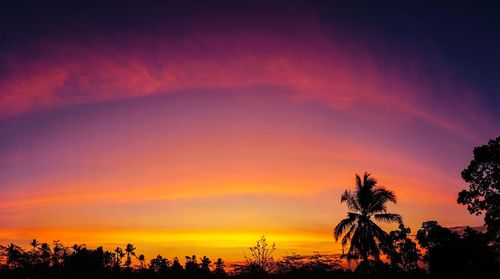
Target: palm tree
{"points": [[118, 257], [34, 243], [159, 264], [142, 261], [219, 267], [366, 238], [205, 264], [34, 253], [77, 248], [130, 252], [13, 255], [45, 253], [59, 253]]}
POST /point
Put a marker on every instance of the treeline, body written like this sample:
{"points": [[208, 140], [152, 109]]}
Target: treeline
{"points": [[447, 254]]}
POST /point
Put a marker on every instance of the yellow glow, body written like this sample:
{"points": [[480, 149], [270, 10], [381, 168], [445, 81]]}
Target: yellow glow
{"points": [[232, 243]]}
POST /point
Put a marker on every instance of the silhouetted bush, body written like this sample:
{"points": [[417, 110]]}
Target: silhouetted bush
{"points": [[452, 255]]}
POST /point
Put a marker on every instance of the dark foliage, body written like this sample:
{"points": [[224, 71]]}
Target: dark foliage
{"points": [[456, 256], [80, 261], [448, 254], [405, 254], [483, 195]]}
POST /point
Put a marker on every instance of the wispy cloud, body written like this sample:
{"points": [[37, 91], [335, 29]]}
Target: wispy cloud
{"points": [[317, 68]]}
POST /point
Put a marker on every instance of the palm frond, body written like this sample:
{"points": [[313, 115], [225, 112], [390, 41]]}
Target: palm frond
{"points": [[343, 225], [379, 197], [351, 201], [348, 235], [384, 195], [356, 243], [345, 196], [389, 217], [382, 237], [368, 182], [370, 244], [359, 183], [377, 208]]}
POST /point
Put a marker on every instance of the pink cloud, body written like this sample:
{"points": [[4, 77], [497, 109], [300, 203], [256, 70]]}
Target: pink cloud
{"points": [[315, 70]]}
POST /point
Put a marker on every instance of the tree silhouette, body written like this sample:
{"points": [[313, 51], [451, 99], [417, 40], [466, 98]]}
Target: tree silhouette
{"points": [[314, 266], [59, 253], [483, 195], [159, 265], [85, 263], [290, 263], [33, 257], [119, 254], [191, 265], [205, 265], [176, 269], [366, 238], [450, 255], [220, 266], [142, 261], [108, 259], [35, 244], [130, 250], [45, 254], [13, 255], [78, 247], [318, 263], [262, 254], [405, 255]]}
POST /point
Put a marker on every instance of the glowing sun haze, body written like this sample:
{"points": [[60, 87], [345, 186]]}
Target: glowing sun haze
{"points": [[189, 132]]}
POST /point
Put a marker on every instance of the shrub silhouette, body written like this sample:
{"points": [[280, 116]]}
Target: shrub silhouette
{"points": [[450, 254], [405, 255]]}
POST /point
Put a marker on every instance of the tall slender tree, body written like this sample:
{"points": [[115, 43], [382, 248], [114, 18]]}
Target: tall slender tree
{"points": [[130, 250], [118, 257], [205, 264], [59, 253], [220, 266], [366, 238], [45, 253], [13, 255], [35, 244]]}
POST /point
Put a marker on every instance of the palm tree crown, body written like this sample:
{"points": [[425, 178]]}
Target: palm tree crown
{"points": [[130, 252], [34, 243], [366, 238]]}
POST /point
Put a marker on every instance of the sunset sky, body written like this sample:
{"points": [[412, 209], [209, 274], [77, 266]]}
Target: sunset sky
{"points": [[196, 128]]}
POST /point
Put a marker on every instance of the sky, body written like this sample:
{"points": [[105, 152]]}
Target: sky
{"points": [[195, 127]]}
